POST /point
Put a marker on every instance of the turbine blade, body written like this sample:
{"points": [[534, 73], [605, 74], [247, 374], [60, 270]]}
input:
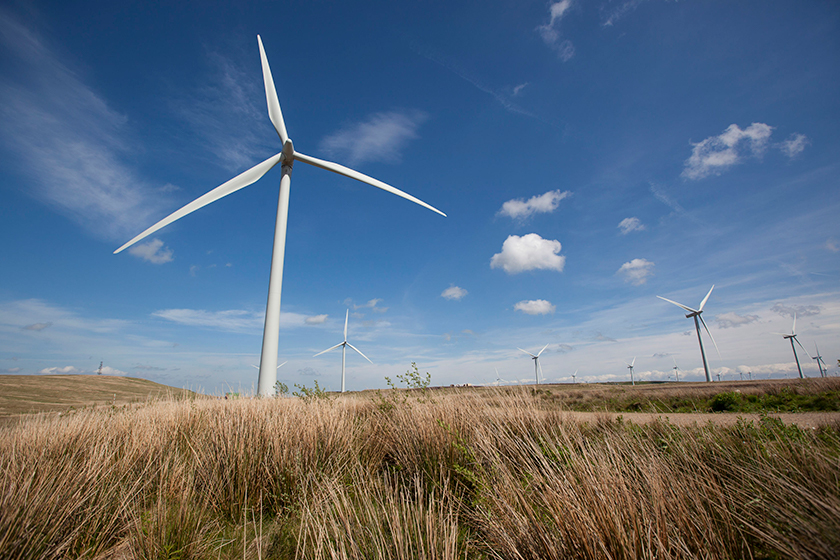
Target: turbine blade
{"points": [[541, 351], [705, 299], [710, 335], [274, 112], [283, 364], [793, 329], [346, 318], [633, 363], [800, 344], [328, 349], [347, 172], [678, 304], [253, 366], [239, 182], [521, 350], [359, 351]]}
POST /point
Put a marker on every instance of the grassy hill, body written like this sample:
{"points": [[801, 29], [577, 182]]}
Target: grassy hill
{"points": [[24, 394]]}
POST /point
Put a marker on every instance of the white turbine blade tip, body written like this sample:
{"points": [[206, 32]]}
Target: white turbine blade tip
{"points": [[541, 351], [705, 299], [687, 308], [328, 349], [239, 182], [347, 172], [359, 351], [521, 350], [274, 112], [710, 335]]}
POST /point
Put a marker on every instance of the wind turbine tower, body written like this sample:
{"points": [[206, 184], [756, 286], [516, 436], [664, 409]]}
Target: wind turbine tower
{"points": [[820, 362], [630, 367], [696, 314], [676, 370], [537, 367], [574, 377], [792, 337], [344, 346], [286, 158]]}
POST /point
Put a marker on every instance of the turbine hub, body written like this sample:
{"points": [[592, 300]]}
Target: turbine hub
{"points": [[288, 152]]}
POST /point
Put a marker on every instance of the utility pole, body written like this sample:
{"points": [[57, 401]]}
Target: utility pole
{"points": [[100, 369]]}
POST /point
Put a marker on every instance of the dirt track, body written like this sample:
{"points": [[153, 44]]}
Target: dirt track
{"points": [[801, 419]]}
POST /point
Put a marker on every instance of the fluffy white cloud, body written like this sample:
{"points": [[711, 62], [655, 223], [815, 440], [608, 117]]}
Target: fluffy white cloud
{"points": [[381, 137], [539, 204], [108, 370], [731, 320], [153, 251], [636, 271], [59, 370], [316, 319], [453, 292], [628, 225], [550, 33], [529, 252], [535, 307], [794, 145], [715, 154]]}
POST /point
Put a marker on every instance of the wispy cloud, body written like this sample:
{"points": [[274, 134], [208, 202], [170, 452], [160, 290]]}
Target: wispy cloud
{"points": [[794, 145], [316, 319], [66, 140], [529, 252], [521, 209], [615, 13], [716, 154], [550, 32], [832, 245], [732, 320], [231, 320], [60, 370], [152, 251], [798, 310], [636, 271], [37, 326], [453, 292], [628, 225], [535, 307], [380, 137]]}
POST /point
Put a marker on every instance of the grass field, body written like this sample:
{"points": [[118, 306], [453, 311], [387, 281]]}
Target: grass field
{"points": [[26, 394], [451, 473]]}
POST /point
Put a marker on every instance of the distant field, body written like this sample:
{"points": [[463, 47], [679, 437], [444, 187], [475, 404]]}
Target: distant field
{"points": [[25, 394]]}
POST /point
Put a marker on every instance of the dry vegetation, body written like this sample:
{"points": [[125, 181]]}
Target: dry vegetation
{"points": [[474, 474]]}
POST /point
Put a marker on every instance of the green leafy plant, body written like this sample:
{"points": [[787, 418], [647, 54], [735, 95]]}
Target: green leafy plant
{"points": [[311, 394], [281, 389]]}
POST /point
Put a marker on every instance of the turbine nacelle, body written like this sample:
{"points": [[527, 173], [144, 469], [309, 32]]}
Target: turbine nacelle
{"points": [[288, 153]]}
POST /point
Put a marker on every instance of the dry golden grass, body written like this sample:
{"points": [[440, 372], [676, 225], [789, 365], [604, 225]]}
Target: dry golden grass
{"points": [[490, 474]]}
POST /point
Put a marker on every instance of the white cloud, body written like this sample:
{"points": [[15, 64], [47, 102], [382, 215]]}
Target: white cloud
{"points": [[66, 140], [518, 89], [832, 245], [453, 292], [715, 154], [529, 252], [10, 370], [539, 204], [535, 307], [232, 320], [550, 33], [316, 319], [731, 320], [628, 225], [381, 137], [153, 251], [108, 370], [636, 271], [798, 310], [371, 304], [622, 10], [59, 370], [37, 326], [794, 145]]}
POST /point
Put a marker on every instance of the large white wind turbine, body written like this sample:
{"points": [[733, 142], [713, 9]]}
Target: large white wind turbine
{"points": [[697, 314], [286, 158], [537, 367], [630, 367], [792, 337], [344, 346]]}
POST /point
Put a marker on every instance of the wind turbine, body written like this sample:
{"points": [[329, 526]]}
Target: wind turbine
{"points": [[537, 368], [344, 346], [574, 377], [697, 314], [820, 362], [286, 158], [792, 337], [676, 370], [278, 367], [630, 365]]}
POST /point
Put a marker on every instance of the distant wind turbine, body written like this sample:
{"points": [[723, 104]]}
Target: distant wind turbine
{"points": [[286, 158], [630, 365], [574, 377], [344, 346], [676, 370], [820, 362], [792, 337], [697, 314], [537, 367]]}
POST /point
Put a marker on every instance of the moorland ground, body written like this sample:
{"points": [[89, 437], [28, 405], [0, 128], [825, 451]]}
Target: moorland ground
{"points": [[447, 473]]}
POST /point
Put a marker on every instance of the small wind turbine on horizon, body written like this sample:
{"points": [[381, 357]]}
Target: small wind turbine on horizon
{"points": [[820, 363], [792, 337], [286, 158], [676, 370], [574, 377], [630, 366], [537, 367], [344, 346], [697, 314]]}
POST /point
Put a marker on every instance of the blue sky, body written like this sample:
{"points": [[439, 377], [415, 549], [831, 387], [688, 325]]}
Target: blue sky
{"points": [[590, 156]]}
